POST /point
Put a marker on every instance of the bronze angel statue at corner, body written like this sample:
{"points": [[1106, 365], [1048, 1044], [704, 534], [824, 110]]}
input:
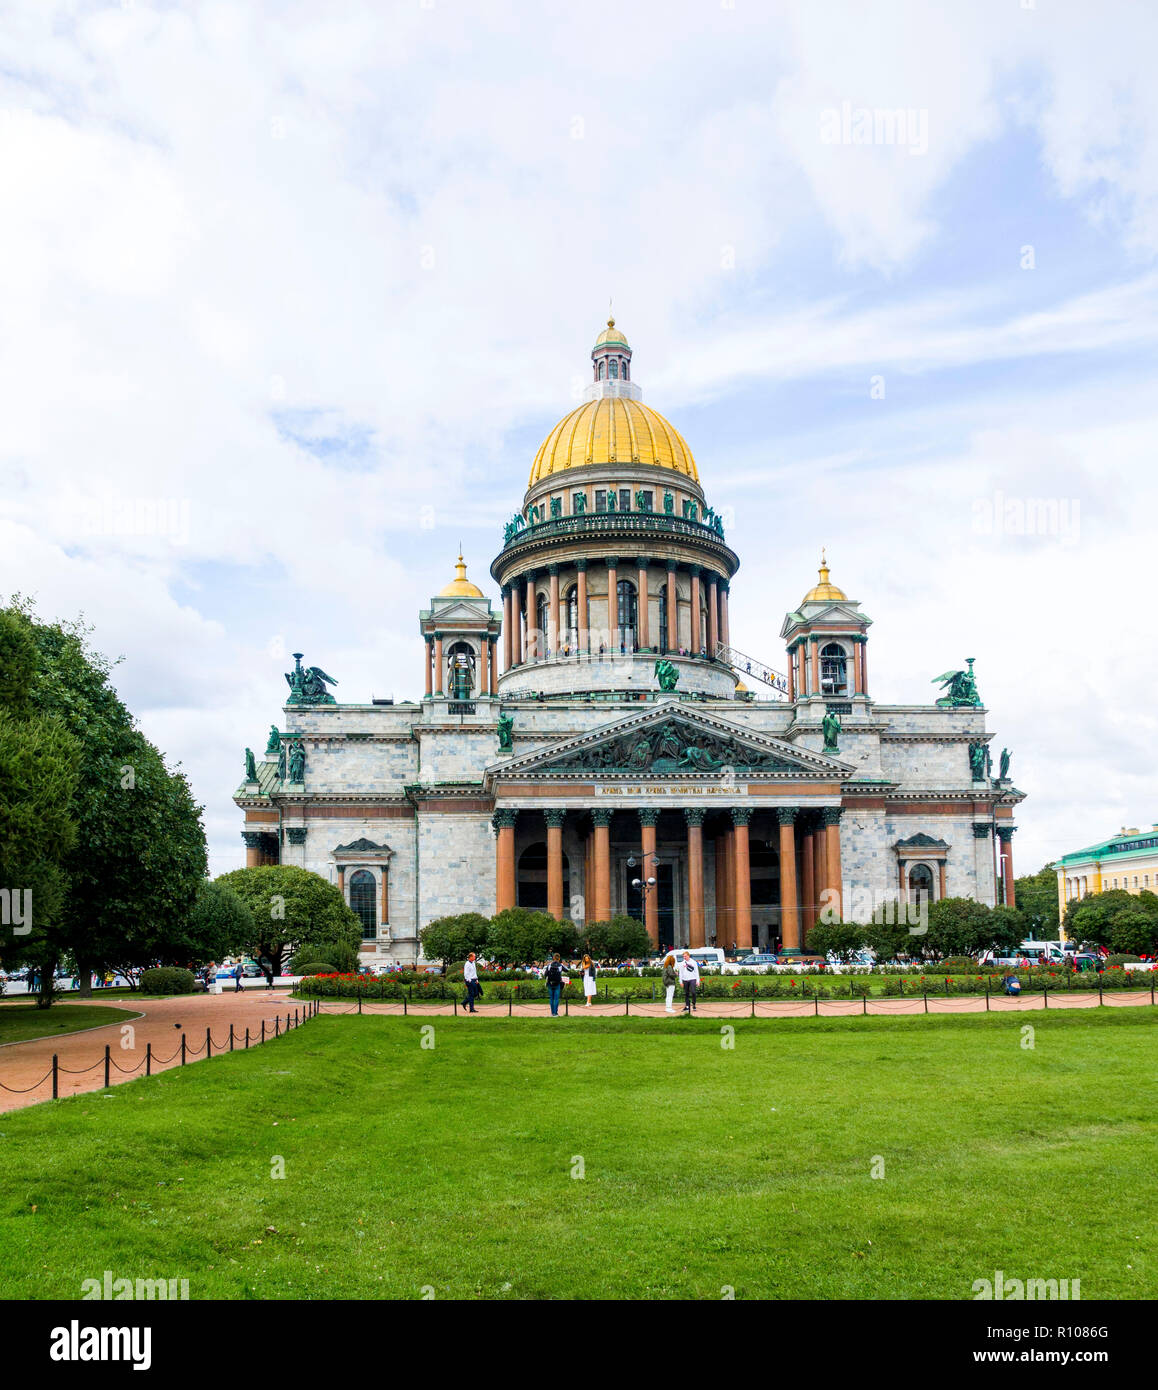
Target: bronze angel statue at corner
{"points": [[308, 684]]}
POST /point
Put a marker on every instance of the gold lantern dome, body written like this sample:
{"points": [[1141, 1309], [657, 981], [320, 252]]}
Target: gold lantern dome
{"points": [[460, 586], [824, 592]]}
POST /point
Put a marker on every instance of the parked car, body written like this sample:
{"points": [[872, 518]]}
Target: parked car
{"points": [[755, 960]]}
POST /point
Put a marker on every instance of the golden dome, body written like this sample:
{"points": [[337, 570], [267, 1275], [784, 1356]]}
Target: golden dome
{"points": [[613, 429], [611, 334], [460, 586], [824, 592]]}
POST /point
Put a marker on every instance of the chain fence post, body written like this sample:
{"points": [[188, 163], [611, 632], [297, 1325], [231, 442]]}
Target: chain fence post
{"points": [[231, 1037], [148, 1059], [182, 1049], [106, 1065], [208, 1044], [55, 1076]]}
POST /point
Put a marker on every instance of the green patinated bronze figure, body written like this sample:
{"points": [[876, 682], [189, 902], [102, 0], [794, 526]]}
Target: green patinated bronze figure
{"points": [[667, 674]]}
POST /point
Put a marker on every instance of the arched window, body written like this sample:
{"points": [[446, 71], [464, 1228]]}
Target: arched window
{"points": [[614, 370], [623, 370], [364, 902], [920, 883], [833, 670], [531, 887], [599, 370], [628, 615], [664, 645], [573, 618], [541, 625]]}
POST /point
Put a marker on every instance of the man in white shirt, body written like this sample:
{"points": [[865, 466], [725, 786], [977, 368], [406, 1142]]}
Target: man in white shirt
{"points": [[690, 979], [470, 977]]}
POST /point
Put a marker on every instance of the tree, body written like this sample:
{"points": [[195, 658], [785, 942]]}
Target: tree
{"points": [[219, 925], [130, 875], [453, 938], [1091, 919], [618, 939], [1037, 902], [962, 927], [519, 934], [288, 907], [39, 773], [888, 940], [1134, 932], [842, 939]]}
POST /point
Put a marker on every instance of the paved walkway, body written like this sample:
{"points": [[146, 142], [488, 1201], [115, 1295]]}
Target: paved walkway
{"points": [[26, 1067], [765, 1008]]}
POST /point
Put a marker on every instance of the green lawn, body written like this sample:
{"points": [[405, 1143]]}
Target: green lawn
{"points": [[705, 1167], [21, 1021]]}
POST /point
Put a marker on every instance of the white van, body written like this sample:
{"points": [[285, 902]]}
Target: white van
{"points": [[1036, 952], [706, 957]]}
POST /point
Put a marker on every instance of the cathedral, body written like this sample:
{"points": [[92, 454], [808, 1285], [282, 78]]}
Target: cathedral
{"points": [[598, 744]]}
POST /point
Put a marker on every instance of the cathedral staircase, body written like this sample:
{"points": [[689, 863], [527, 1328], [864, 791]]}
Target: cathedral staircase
{"points": [[749, 668]]}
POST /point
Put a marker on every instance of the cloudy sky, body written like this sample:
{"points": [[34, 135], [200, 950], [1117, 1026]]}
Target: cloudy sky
{"points": [[290, 293]]}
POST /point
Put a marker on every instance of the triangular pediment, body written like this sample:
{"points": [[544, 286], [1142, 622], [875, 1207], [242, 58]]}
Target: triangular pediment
{"points": [[462, 610], [825, 612], [671, 741]]}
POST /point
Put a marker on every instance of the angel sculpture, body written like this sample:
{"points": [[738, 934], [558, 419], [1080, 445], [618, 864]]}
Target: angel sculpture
{"points": [[308, 685]]}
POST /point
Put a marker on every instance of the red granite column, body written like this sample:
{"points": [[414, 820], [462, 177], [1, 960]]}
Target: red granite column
{"points": [[602, 858], [725, 922], [507, 647], [695, 820], [647, 820], [642, 598], [808, 885], [494, 646], [814, 679], [1005, 834], [506, 894], [553, 613], [531, 650], [555, 820], [612, 603], [426, 648], [725, 627], [713, 615], [673, 636], [789, 913], [743, 879], [695, 644], [834, 882], [791, 674], [438, 663], [584, 634]]}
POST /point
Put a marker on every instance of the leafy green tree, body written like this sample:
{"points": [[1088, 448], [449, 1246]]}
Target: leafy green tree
{"points": [[448, 939], [618, 939], [1091, 919], [1005, 930], [131, 873], [219, 925], [887, 940], [843, 939], [961, 926], [520, 934], [288, 907], [1037, 902], [1134, 932]]}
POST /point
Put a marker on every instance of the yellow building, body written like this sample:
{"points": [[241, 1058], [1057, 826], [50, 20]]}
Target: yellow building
{"points": [[1129, 861]]}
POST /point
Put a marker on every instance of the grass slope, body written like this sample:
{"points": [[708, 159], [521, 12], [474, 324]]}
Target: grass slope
{"points": [[705, 1167]]}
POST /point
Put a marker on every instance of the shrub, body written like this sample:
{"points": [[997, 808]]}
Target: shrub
{"points": [[311, 967], [167, 979], [335, 955], [1112, 961]]}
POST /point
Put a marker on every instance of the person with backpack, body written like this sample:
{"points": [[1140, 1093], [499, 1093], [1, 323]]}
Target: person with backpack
{"points": [[589, 973], [670, 980], [238, 976], [555, 978], [690, 979]]}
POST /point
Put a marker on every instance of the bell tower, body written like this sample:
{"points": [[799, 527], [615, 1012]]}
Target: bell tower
{"points": [[827, 640], [461, 633]]}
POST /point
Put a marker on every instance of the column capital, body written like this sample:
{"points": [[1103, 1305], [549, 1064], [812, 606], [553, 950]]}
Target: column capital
{"points": [[296, 834], [504, 820], [252, 838], [1005, 833], [741, 815], [649, 815], [642, 561], [601, 818], [528, 576], [552, 569], [672, 566], [786, 814], [612, 562], [580, 564], [832, 815], [694, 815], [695, 571], [555, 817], [981, 830]]}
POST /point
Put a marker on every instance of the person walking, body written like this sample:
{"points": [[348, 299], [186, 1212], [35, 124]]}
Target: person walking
{"points": [[238, 976], [554, 978], [266, 966], [690, 979], [470, 979], [589, 973], [670, 980]]}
